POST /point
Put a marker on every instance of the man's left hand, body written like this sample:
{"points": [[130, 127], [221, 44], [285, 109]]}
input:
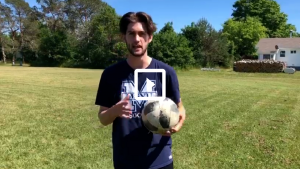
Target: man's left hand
{"points": [[180, 123], [182, 116]]}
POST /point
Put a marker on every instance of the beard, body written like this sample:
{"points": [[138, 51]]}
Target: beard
{"points": [[131, 51]]}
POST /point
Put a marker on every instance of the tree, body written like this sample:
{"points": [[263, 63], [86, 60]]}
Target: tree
{"points": [[3, 30], [167, 28], [268, 13], [284, 31], [104, 46], [79, 14], [171, 48], [53, 13], [19, 11], [85, 33], [10, 28], [243, 35], [209, 47]]}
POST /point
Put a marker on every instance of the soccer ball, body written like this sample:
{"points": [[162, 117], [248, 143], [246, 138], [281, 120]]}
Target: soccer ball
{"points": [[160, 116]]}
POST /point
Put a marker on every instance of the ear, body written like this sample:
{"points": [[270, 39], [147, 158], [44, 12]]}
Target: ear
{"points": [[150, 38]]}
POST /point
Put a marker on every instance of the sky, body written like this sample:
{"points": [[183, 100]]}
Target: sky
{"points": [[184, 12]]}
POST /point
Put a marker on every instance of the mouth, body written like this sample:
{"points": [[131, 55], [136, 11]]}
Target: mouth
{"points": [[137, 47]]}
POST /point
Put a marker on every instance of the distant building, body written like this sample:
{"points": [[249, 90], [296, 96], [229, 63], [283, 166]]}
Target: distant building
{"points": [[281, 49]]}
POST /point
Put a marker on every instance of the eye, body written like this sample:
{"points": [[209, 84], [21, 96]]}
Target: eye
{"points": [[141, 33]]}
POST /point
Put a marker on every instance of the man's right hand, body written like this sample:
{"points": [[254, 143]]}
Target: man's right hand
{"points": [[123, 108]]}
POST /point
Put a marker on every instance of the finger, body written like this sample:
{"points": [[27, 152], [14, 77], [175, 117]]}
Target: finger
{"points": [[123, 103], [127, 98], [125, 116], [166, 133], [180, 118], [127, 112], [176, 128], [126, 107]]}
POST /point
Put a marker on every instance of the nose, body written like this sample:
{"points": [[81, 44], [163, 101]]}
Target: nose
{"points": [[136, 38]]}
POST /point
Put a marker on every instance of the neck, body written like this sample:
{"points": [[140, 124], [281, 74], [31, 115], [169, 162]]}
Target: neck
{"points": [[139, 62]]}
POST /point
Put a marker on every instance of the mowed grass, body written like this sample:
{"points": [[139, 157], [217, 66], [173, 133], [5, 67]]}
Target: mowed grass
{"points": [[234, 120]]}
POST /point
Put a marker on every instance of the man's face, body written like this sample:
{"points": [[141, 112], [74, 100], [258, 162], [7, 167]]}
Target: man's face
{"points": [[137, 39]]}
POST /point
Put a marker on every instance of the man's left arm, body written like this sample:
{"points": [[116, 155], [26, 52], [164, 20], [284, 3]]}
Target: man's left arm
{"points": [[173, 93], [182, 116]]}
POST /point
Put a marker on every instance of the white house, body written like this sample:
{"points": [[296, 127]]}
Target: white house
{"points": [[281, 49]]}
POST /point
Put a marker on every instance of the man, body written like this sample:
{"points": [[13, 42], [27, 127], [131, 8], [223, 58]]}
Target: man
{"points": [[134, 147]]}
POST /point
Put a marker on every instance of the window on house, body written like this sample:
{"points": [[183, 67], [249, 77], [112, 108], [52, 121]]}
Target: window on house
{"points": [[282, 53], [266, 56], [293, 51]]}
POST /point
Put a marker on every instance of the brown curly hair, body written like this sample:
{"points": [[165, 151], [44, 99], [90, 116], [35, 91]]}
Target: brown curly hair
{"points": [[132, 17]]}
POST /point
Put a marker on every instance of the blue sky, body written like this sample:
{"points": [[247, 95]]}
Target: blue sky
{"points": [[182, 13]]}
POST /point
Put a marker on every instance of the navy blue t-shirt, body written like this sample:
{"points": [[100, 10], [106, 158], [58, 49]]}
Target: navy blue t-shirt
{"points": [[134, 147]]}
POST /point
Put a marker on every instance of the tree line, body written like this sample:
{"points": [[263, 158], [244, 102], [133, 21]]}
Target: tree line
{"points": [[85, 33]]}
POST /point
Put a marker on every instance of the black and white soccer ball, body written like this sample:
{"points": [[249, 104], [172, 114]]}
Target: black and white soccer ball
{"points": [[160, 116]]}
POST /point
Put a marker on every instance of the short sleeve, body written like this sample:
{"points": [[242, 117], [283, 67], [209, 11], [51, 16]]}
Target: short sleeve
{"points": [[172, 86], [105, 93]]}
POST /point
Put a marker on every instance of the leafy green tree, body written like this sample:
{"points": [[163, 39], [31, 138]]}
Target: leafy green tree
{"points": [[209, 47], [243, 35], [167, 28], [284, 31], [171, 48], [104, 45], [79, 14], [17, 12], [54, 47], [269, 14]]}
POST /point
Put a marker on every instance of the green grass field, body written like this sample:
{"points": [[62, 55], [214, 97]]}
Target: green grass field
{"points": [[234, 120]]}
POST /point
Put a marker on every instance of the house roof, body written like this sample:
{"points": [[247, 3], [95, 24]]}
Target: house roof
{"points": [[266, 45]]}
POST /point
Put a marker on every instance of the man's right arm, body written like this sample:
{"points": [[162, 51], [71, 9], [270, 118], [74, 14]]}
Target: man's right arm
{"points": [[106, 116], [105, 99], [121, 109]]}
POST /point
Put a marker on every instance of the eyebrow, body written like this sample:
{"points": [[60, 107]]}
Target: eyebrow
{"points": [[136, 31]]}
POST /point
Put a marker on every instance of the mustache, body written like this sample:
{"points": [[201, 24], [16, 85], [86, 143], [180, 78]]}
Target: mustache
{"points": [[137, 46]]}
